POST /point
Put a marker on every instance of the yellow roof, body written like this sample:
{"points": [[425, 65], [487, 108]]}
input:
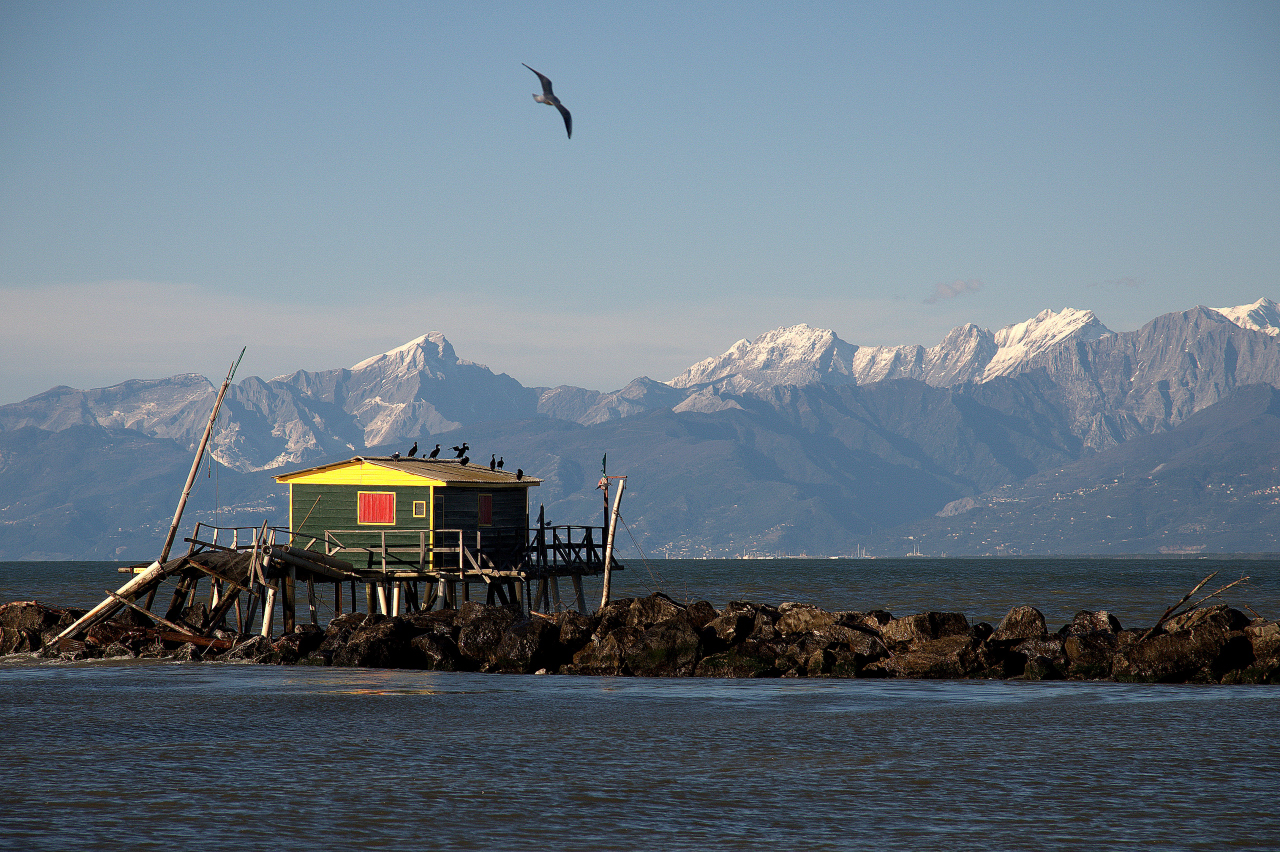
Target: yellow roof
{"points": [[386, 470]]}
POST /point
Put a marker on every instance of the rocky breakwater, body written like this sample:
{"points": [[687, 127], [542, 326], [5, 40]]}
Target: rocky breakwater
{"points": [[658, 637]]}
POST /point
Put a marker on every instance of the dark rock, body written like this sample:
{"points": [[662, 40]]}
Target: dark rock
{"points": [[1022, 622], [380, 643], [646, 612], [437, 652], [1220, 616], [293, 647], [605, 655], [729, 628], [247, 651], [954, 656], [802, 618], [526, 646], [1264, 636], [16, 641], [196, 615], [612, 616], [700, 614], [925, 627], [575, 631], [670, 648], [187, 653], [1086, 623], [1203, 652], [1044, 658], [480, 630], [1089, 655], [748, 659]]}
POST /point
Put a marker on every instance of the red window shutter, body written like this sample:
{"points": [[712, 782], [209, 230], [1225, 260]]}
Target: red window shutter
{"points": [[377, 507], [486, 509]]}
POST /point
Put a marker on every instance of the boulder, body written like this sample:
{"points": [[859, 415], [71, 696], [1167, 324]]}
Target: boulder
{"points": [[575, 631], [730, 627], [480, 630], [1204, 652], [924, 627], [247, 651], [1086, 623], [700, 614], [1022, 622], [748, 659], [802, 618], [526, 646], [670, 648], [646, 612], [954, 656], [605, 655], [1042, 659], [381, 642], [436, 651], [1089, 655]]}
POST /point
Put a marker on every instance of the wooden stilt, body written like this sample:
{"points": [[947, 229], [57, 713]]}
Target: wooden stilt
{"points": [[578, 593], [288, 600], [311, 599], [382, 598]]}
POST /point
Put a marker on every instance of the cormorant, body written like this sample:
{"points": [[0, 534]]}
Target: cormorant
{"points": [[493, 462], [548, 97], [435, 452], [465, 460], [499, 462], [519, 474], [461, 451], [413, 451]]}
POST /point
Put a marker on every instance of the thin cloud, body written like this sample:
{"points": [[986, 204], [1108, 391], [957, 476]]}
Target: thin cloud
{"points": [[1116, 283], [953, 290]]}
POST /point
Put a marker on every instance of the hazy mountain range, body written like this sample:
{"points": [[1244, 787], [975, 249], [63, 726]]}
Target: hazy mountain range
{"points": [[1051, 435]]}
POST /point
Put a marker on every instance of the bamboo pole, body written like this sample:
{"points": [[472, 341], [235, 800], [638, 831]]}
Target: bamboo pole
{"points": [[195, 464], [608, 547]]}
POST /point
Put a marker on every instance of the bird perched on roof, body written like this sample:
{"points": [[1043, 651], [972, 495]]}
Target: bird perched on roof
{"points": [[549, 97], [435, 452], [466, 460], [413, 451], [461, 451], [395, 456], [493, 462], [499, 462], [519, 474]]}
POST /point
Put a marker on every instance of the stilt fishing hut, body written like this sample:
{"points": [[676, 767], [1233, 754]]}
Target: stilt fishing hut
{"points": [[405, 522]]}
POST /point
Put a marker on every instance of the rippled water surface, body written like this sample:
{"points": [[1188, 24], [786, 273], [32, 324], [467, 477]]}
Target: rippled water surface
{"points": [[148, 755]]}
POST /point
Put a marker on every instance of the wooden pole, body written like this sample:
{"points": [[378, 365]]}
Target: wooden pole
{"points": [[608, 547], [195, 464]]}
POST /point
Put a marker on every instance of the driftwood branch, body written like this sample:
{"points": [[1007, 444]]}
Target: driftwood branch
{"points": [[1171, 611]]}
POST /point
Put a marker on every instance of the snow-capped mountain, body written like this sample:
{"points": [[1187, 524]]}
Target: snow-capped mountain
{"points": [[1113, 386], [1263, 315], [800, 355], [794, 437]]}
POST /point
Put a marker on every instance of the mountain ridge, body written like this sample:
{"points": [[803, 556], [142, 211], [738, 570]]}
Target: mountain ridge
{"points": [[795, 425]]}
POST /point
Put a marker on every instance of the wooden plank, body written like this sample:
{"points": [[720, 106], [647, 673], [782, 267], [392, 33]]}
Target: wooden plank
{"points": [[186, 631]]}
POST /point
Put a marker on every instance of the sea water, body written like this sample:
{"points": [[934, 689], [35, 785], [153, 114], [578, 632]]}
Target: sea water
{"points": [[149, 755]]}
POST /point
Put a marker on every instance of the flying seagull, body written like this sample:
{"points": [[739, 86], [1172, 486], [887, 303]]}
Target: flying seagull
{"points": [[549, 97]]}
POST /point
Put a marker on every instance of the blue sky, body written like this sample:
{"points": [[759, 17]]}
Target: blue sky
{"points": [[323, 182]]}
